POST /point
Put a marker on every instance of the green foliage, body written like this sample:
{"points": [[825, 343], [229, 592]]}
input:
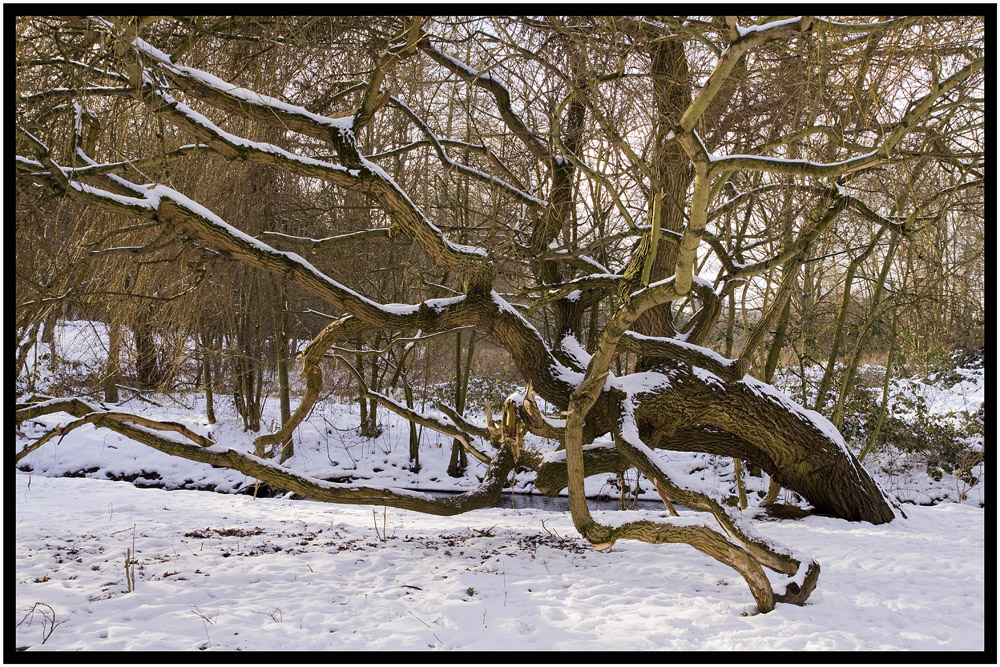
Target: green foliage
{"points": [[861, 409], [947, 444], [944, 371]]}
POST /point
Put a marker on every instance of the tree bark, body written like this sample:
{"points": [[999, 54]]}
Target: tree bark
{"points": [[459, 460], [207, 379], [147, 368], [799, 449], [112, 369]]}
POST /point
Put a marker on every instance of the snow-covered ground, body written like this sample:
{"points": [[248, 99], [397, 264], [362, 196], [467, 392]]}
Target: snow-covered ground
{"points": [[223, 571], [226, 572], [327, 444]]}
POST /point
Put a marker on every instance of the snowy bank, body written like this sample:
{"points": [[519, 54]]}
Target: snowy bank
{"points": [[217, 572]]}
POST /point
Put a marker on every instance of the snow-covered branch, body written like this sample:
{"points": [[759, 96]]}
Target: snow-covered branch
{"points": [[369, 177], [262, 108], [500, 93], [198, 448]]}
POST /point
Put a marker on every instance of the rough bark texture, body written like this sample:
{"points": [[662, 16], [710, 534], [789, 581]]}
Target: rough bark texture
{"points": [[672, 174], [770, 432], [527, 242]]}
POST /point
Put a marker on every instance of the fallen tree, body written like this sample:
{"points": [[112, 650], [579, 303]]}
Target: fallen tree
{"points": [[678, 395]]}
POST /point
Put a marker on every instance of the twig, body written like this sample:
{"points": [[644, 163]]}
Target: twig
{"points": [[550, 532], [49, 622], [665, 499], [419, 619]]}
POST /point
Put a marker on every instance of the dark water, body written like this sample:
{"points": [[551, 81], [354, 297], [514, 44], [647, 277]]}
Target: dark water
{"points": [[560, 503], [507, 500]]}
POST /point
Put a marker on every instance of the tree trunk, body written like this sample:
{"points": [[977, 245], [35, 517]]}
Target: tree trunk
{"points": [[741, 487], [147, 368], [852, 364], [799, 449], [673, 173], [248, 367], [838, 334], [459, 460], [362, 396], [112, 369], [22, 354], [49, 337], [281, 346], [206, 376], [774, 353], [414, 433], [281, 353], [372, 428], [873, 439]]}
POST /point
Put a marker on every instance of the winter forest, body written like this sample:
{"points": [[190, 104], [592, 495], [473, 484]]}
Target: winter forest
{"points": [[388, 333]]}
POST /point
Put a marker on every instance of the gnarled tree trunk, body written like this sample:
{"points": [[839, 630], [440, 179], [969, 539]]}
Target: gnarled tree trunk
{"points": [[715, 145]]}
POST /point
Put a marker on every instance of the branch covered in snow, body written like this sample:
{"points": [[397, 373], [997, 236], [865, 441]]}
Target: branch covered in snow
{"points": [[198, 448], [500, 93], [433, 422]]}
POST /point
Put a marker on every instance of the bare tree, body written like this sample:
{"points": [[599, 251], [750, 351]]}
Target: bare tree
{"points": [[637, 171]]}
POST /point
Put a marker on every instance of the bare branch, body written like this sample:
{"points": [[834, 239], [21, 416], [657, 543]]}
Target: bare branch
{"points": [[500, 93]]}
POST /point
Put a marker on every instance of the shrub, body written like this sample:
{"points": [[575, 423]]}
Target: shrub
{"points": [[946, 444], [488, 387]]}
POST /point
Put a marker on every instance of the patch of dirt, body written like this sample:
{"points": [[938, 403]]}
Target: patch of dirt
{"points": [[224, 532]]}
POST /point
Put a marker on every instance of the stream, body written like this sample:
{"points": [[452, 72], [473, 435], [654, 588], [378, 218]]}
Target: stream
{"points": [[536, 501]]}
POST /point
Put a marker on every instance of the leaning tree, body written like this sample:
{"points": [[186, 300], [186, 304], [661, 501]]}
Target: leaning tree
{"points": [[620, 177]]}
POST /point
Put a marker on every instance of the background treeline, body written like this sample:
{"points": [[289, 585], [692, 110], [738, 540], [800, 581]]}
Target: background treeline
{"points": [[180, 318]]}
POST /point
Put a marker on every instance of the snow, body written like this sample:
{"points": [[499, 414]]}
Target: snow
{"points": [[222, 571], [121, 199], [343, 124], [571, 346], [566, 374], [765, 160], [708, 352], [708, 377], [964, 396], [743, 32], [704, 282], [560, 455], [440, 304], [603, 270], [231, 572], [637, 383], [27, 161]]}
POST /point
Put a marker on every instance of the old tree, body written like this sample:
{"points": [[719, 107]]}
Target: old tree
{"points": [[588, 194]]}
